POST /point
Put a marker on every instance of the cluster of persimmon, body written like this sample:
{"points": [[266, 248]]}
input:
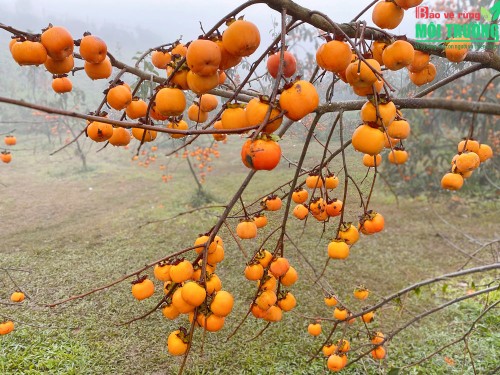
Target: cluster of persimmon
{"points": [[470, 155], [7, 326], [322, 207], [383, 127], [272, 273], [247, 227], [336, 352], [5, 155], [54, 49], [187, 292]]}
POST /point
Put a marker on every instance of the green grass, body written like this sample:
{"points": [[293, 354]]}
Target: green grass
{"points": [[66, 232]]}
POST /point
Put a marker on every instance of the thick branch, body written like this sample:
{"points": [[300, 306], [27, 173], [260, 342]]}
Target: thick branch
{"points": [[298, 12]]}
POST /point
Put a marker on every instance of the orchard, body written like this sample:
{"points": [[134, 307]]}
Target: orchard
{"points": [[317, 196]]}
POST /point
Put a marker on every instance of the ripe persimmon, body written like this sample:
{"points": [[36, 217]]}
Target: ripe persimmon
{"points": [[203, 57], [368, 317], [289, 64], [193, 293], [119, 97], [349, 233], [361, 293], [300, 211], [263, 153], [208, 102], [59, 66], [10, 140], [178, 125], [290, 277], [234, 117], [298, 100], [144, 135], [170, 101], [120, 137], [28, 53], [484, 152], [314, 329], [314, 181], [99, 131], [372, 160], [378, 353], [201, 84], [142, 288], [62, 85], [254, 271], [387, 15], [260, 220], [58, 42], [181, 271], [300, 195], [340, 313], [222, 303], [162, 271], [368, 139], [213, 283], [196, 114], [338, 249], [424, 76], [177, 342], [377, 338], [331, 181], [272, 203], [136, 108], [93, 49], [266, 299], [398, 55], [420, 61], [336, 362], [100, 70], [383, 114], [264, 257], [17, 296], [6, 327], [241, 38], [397, 156], [256, 112], [330, 300], [279, 266], [246, 229], [467, 161], [6, 156], [362, 74], [399, 129], [468, 145], [456, 49], [169, 311], [452, 181], [377, 49], [286, 301], [334, 56]]}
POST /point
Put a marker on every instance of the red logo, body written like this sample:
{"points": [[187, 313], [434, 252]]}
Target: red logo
{"points": [[422, 12]]}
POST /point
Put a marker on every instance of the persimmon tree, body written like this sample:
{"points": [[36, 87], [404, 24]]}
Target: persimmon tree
{"points": [[201, 97]]}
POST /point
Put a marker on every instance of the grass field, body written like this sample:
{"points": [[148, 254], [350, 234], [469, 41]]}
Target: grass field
{"points": [[64, 232]]}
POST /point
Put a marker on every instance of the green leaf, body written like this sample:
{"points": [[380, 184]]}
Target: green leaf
{"points": [[394, 371], [486, 14], [444, 288], [417, 291]]}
